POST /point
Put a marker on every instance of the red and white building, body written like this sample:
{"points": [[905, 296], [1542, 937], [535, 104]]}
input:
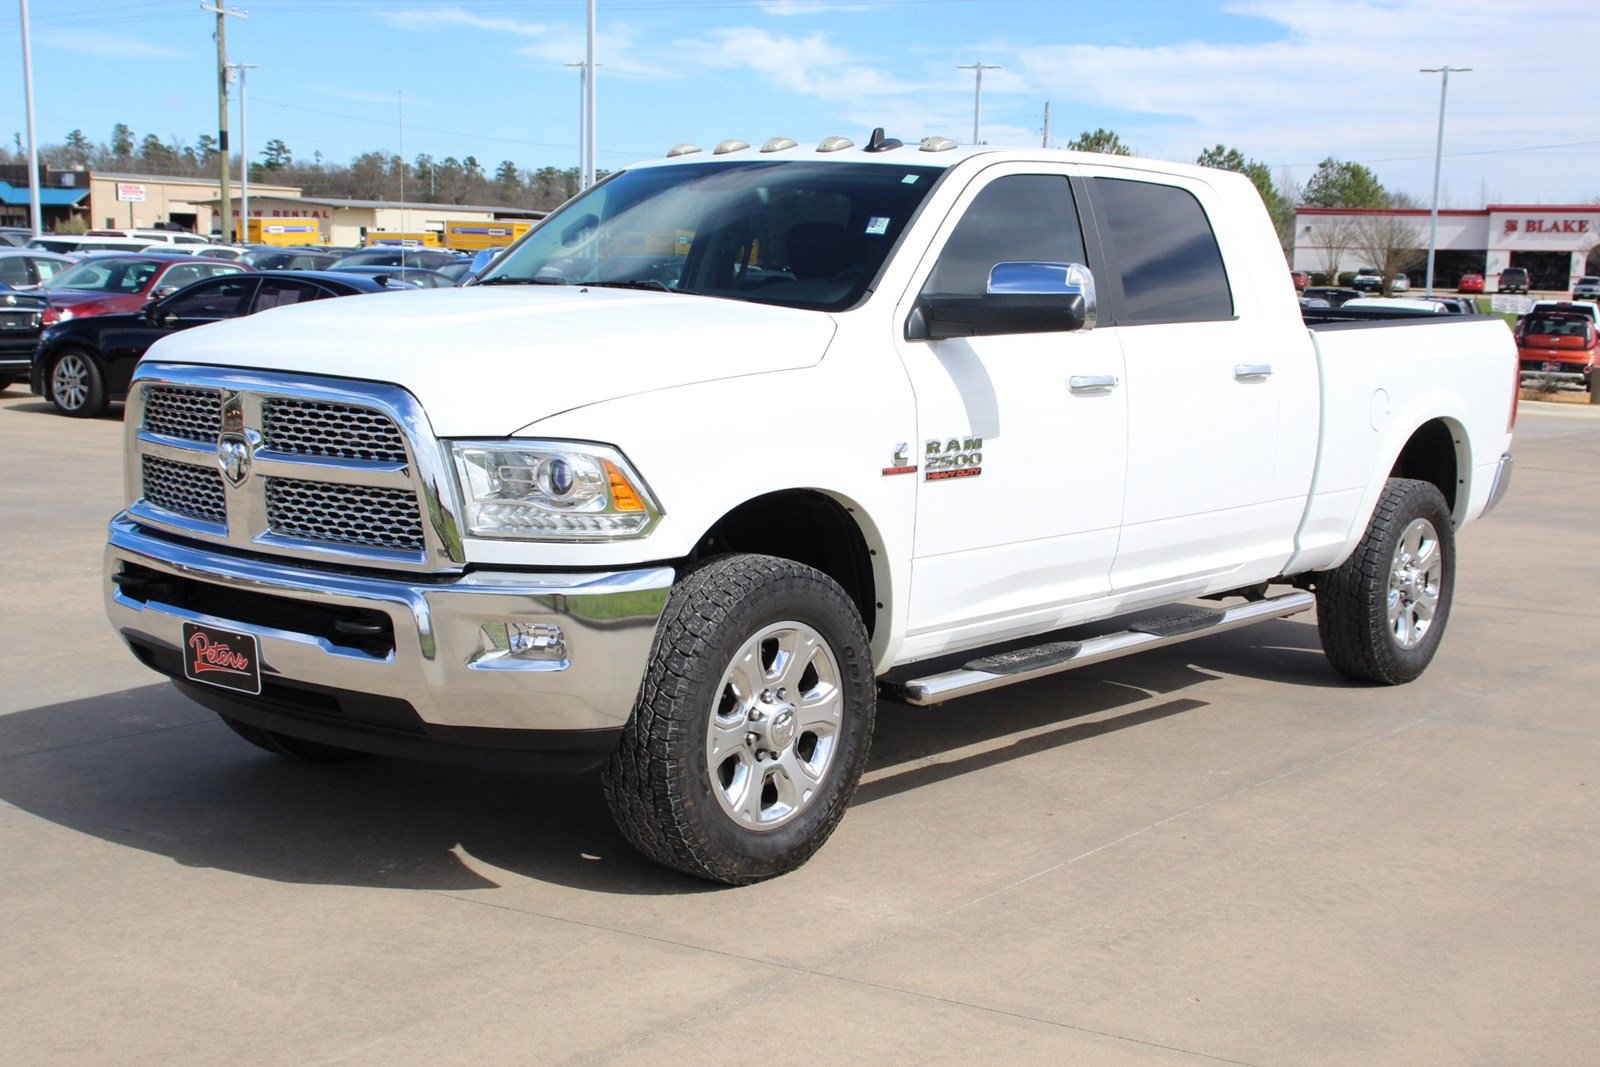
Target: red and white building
{"points": [[1555, 242]]}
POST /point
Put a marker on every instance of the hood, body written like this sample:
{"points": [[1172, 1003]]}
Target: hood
{"points": [[487, 361]]}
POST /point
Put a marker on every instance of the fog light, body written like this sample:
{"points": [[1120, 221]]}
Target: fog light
{"points": [[524, 645]]}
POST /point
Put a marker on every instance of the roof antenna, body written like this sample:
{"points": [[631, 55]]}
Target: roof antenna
{"points": [[879, 143]]}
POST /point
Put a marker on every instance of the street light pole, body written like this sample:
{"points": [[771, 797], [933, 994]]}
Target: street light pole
{"points": [[244, 150], [977, 94], [583, 119], [1438, 159], [588, 104], [35, 212]]}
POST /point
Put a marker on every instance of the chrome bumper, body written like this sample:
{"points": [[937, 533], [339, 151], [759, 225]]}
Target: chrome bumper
{"points": [[447, 662], [1501, 483]]}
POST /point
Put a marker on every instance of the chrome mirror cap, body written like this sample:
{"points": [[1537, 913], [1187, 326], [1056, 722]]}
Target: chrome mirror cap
{"points": [[1046, 279]]}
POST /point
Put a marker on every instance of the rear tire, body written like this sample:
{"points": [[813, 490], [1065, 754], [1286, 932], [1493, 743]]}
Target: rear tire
{"points": [[292, 747], [76, 385], [752, 725], [1382, 613]]}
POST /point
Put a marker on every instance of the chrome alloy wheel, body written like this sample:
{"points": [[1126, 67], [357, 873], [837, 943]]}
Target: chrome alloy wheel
{"points": [[1415, 574], [774, 729], [69, 382]]}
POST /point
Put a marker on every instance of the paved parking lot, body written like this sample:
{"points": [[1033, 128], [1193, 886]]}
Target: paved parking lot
{"points": [[1217, 852]]}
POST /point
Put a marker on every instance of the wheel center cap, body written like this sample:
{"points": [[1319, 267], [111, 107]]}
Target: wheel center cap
{"points": [[781, 731]]}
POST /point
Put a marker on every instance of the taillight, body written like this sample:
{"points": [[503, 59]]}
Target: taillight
{"points": [[51, 316]]}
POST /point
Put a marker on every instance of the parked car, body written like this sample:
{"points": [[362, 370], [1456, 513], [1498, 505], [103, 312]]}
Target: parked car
{"points": [[457, 272], [1368, 280], [1586, 288], [415, 277], [27, 268], [1301, 279], [1470, 283], [1514, 280], [1589, 309], [1456, 305], [83, 364], [1400, 284], [15, 236], [67, 244], [427, 258], [1560, 344], [21, 318], [152, 235], [1333, 294], [288, 259], [485, 256], [230, 253], [107, 284], [1399, 305]]}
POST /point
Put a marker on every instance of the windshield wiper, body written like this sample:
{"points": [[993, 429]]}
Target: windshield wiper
{"points": [[505, 280], [640, 283]]}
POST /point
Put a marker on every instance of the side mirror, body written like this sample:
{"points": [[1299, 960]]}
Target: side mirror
{"points": [[165, 291], [1021, 297]]}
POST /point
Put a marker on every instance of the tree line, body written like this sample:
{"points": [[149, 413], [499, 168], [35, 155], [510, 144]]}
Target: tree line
{"points": [[374, 175]]}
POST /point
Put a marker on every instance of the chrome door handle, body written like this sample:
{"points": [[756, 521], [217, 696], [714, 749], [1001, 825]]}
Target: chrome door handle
{"points": [[1252, 372], [1092, 383]]}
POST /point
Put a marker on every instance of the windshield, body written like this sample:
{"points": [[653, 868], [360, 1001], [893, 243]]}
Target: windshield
{"points": [[106, 276], [802, 234]]}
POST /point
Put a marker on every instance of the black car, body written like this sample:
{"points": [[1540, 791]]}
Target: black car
{"points": [[81, 365], [400, 277], [1514, 280], [21, 318], [287, 259], [426, 258]]}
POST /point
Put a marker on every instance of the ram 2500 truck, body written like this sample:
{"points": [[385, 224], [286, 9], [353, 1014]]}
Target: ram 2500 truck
{"points": [[736, 440]]}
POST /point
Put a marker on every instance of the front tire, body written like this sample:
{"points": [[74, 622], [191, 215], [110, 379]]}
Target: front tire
{"points": [[1382, 613], [752, 726], [76, 385]]}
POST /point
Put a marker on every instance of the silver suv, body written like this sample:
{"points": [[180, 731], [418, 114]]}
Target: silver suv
{"points": [[1586, 288]]}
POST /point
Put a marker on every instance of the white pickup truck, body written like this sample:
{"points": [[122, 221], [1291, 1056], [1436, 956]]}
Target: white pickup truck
{"points": [[738, 439]]}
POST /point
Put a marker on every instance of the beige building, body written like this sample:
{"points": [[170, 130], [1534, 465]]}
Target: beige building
{"points": [[123, 201], [355, 222]]}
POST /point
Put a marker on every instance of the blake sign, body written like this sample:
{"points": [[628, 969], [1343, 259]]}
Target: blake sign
{"points": [[130, 191], [1548, 226]]}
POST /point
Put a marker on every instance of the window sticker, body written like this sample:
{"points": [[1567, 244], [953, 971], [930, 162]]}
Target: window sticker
{"points": [[878, 225], [910, 179]]}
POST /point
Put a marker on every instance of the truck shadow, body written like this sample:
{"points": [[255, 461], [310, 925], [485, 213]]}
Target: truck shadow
{"points": [[147, 769]]}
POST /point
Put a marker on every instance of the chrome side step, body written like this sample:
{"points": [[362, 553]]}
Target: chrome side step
{"points": [[1026, 664]]}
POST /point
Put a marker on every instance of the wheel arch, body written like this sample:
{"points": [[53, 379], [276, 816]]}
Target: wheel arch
{"points": [[1439, 452], [819, 528]]}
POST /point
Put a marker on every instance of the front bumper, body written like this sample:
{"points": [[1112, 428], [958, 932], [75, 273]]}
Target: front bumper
{"points": [[352, 659]]}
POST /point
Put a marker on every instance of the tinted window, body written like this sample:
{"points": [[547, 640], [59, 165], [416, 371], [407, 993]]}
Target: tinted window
{"points": [[14, 271], [1023, 217], [222, 300], [276, 292], [1165, 251]]}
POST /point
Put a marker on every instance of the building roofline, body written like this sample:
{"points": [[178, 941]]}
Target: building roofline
{"points": [[173, 179], [1424, 212], [407, 205]]}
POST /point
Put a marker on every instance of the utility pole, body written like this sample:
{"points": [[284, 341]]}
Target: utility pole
{"points": [[1438, 159], [244, 149], [588, 106], [1045, 142], [583, 119], [224, 154], [33, 142], [977, 96]]}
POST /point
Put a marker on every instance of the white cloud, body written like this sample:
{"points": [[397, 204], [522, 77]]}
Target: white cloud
{"points": [[556, 42], [109, 45], [785, 8]]}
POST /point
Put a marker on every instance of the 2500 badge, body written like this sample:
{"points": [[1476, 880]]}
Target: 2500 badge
{"points": [[954, 457]]}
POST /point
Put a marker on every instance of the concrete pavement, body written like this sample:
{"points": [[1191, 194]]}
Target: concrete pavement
{"points": [[1216, 852]]}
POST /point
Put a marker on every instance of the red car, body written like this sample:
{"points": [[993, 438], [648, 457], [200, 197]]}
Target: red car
{"points": [[1301, 279], [1558, 343], [1470, 283], [118, 283]]}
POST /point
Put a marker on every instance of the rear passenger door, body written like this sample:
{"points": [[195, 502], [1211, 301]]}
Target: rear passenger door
{"points": [[1218, 464], [283, 292]]}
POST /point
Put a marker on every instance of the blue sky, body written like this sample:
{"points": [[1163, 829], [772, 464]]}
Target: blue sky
{"points": [[1286, 81]]}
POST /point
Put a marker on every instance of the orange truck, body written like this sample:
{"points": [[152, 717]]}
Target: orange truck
{"points": [[291, 231], [476, 236]]}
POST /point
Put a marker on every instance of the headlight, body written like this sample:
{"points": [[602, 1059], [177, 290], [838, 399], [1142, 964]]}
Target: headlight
{"points": [[551, 491]]}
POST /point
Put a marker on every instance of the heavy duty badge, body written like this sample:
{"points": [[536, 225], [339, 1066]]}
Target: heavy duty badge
{"points": [[901, 462], [955, 457]]}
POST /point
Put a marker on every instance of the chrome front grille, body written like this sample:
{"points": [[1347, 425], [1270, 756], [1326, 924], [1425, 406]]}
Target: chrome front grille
{"points": [[184, 489], [320, 428], [190, 414], [290, 465], [344, 514]]}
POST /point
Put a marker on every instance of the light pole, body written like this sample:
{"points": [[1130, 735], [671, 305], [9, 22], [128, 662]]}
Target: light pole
{"points": [[1438, 159], [33, 142], [244, 149], [977, 95], [223, 151], [588, 103]]}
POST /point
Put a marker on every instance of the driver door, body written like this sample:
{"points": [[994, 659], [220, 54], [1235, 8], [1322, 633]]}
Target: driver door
{"points": [[216, 299]]}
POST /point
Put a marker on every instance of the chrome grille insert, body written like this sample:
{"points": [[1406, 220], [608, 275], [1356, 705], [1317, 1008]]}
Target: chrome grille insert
{"points": [[337, 431], [190, 414], [185, 489], [344, 514]]}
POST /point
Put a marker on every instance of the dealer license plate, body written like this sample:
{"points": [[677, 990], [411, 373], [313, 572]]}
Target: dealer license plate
{"points": [[222, 658]]}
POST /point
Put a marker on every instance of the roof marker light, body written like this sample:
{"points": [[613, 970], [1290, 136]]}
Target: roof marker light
{"points": [[834, 144], [779, 144], [730, 145], [684, 149], [937, 144]]}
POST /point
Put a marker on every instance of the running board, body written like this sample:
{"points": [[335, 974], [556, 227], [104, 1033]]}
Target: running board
{"points": [[1026, 664]]}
